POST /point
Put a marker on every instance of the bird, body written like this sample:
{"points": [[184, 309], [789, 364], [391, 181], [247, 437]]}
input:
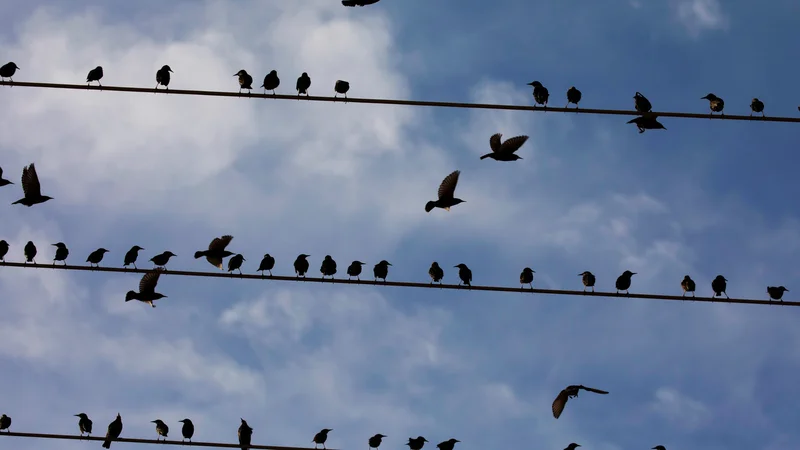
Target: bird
{"points": [[30, 252], [341, 87], [719, 285], [235, 263], [31, 188], [540, 93], [216, 251], [446, 194], [572, 446], [303, 83], [375, 441], [381, 270], [147, 289], [163, 77], [588, 279], [776, 293], [187, 430], [61, 253], [359, 2], [5, 423], [321, 437], [113, 432], [301, 265], [464, 274], [641, 103], [688, 285], [447, 445], [162, 259], [8, 70], [757, 106], [84, 423], [245, 80], [715, 103], [271, 82], [245, 435], [573, 96], [328, 267], [354, 269], [267, 263], [624, 281], [648, 122], [3, 181], [161, 428], [567, 393], [526, 277], [436, 273], [96, 256], [3, 250], [131, 256], [416, 443], [504, 151], [659, 447], [95, 75]]}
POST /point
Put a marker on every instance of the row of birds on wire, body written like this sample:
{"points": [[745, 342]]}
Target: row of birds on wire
{"points": [[217, 252]]}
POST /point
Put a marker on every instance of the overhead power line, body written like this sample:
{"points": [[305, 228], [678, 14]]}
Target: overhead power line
{"points": [[407, 284], [384, 101]]}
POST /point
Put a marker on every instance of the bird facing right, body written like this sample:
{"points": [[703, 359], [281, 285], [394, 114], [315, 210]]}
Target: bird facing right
{"points": [[641, 103], [301, 265], [719, 285], [8, 70], [504, 151], [5, 423], [776, 292], [245, 435], [3, 181], [526, 277], [448, 444], [446, 194], [235, 263], [572, 446], [163, 77], [416, 443], [381, 270], [375, 441], [624, 281], [31, 188], [3, 249], [354, 270], [131, 256], [321, 437], [567, 393], [659, 447], [96, 256], [95, 74], [647, 122]]}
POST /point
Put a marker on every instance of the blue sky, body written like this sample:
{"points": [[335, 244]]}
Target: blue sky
{"points": [[171, 173]]}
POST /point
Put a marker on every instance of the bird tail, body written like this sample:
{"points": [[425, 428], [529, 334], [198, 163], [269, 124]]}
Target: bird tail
{"points": [[107, 443], [349, 2], [216, 262], [131, 295], [429, 206], [198, 255], [487, 155]]}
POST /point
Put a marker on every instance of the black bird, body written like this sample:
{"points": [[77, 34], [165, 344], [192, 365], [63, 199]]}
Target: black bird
{"points": [[95, 75], [114, 430], [573, 96], [303, 83], [235, 263], [659, 447], [187, 430], [540, 93], [624, 281], [688, 285], [163, 76], [245, 80], [131, 256], [381, 270], [271, 82], [436, 273], [648, 122], [267, 263], [162, 259], [245, 435], [641, 103], [446, 194], [96, 256], [341, 87], [354, 269], [715, 103], [464, 274], [526, 277], [757, 106], [161, 428], [328, 267], [147, 289], [3, 250], [504, 151], [3, 181], [84, 423], [8, 70], [359, 2], [30, 252], [588, 279], [301, 265], [567, 393], [572, 446], [321, 437], [61, 253], [416, 443], [5, 423], [216, 251], [447, 445], [31, 188], [375, 441], [719, 285], [776, 293]]}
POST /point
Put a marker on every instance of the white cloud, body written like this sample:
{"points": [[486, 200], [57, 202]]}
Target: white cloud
{"points": [[698, 16], [680, 409]]}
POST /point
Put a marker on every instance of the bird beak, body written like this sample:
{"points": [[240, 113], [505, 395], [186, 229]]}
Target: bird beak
{"points": [[77, 415], [457, 440], [389, 264], [236, 74], [633, 273], [171, 70], [152, 421]]}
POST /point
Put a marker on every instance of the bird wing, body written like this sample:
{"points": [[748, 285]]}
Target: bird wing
{"points": [[1, 172], [495, 143], [513, 144], [559, 403], [219, 244], [596, 391], [149, 281], [448, 187], [30, 182]]}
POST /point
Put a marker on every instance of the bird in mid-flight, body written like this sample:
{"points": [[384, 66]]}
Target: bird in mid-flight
{"points": [[216, 251], [147, 289], [447, 191], [504, 151], [3, 181], [567, 393], [647, 122], [31, 188]]}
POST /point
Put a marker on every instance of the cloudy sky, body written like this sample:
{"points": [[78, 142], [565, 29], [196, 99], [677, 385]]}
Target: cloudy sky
{"points": [[172, 172]]}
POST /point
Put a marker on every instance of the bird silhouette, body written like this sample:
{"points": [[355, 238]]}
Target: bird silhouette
{"points": [[267, 263], [187, 430], [131, 256], [375, 441], [301, 265], [5, 423], [641, 103], [321, 437], [271, 82], [161, 428], [359, 2], [354, 269], [688, 285], [31, 189], [659, 447], [216, 251], [341, 87], [573, 96], [245, 80], [446, 194], [30, 252], [447, 445], [245, 435], [776, 293], [95, 74], [96, 256], [303, 83], [504, 151], [719, 285], [588, 279], [715, 103], [572, 446], [647, 122], [3, 250], [147, 289], [567, 393], [757, 106], [464, 274], [328, 267], [84, 423], [624, 281], [3, 181], [416, 443], [526, 277], [61, 253], [381, 270], [8, 70], [436, 273], [235, 263], [540, 93], [162, 259], [163, 76], [113, 432]]}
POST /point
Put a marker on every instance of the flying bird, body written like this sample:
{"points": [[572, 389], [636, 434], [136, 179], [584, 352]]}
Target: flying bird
{"points": [[715, 103], [341, 87], [161, 428], [163, 76], [3, 181], [504, 151], [301, 265], [446, 194], [7, 71], [641, 103], [3, 250], [5, 422], [359, 2], [540, 93], [624, 281], [647, 122], [436, 273], [30, 252], [147, 289], [757, 106], [61, 253], [567, 393], [328, 267], [96, 256], [216, 251], [31, 189], [321, 437], [354, 270], [381, 270], [245, 435], [187, 430], [94, 75], [245, 80], [526, 277], [447, 445], [588, 279], [688, 285], [131, 256], [162, 259], [84, 423], [776, 293], [464, 274], [267, 263], [416, 443], [573, 96], [719, 285], [303, 83], [375, 441], [271, 82], [113, 432]]}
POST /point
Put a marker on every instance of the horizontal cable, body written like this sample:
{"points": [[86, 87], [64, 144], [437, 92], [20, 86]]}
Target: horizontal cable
{"points": [[384, 101], [404, 284]]}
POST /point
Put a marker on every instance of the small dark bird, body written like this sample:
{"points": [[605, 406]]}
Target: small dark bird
{"points": [[95, 75], [216, 251], [540, 93], [3, 250], [245, 435], [354, 270], [526, 277], [624, 281], [96, 256], [5, 423], [757, 106], [588, 279], [381, 270], [328, 267], [688, 285], [162, 259], [131, 256], [245, 80], [30, 252], [719, 285], [416, 443], [641, 103], [84, 423], [375, 441], [321, 437], [436, 273], [659, 447], [147, 289], [715, 103], [573, 96], [187, 430], [163, 76], [61, 253], [161, 428], [776, 293], [567, 393], [572, 446], [341, 87], [7, 71], [3, 181], [31, 189], [271, 82], [235, 263], [359, 2], [114, 430], [464, 274], [303, 83], [447, 191], [301, 265], [504, 151], [447, 445], [648, 122], [267, 263]]}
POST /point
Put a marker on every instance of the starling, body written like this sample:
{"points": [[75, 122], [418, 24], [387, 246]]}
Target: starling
{"points": [[687, 285], [5, 423], [303, 83], [567, 393], [446, 194], [61, 253], [216, 251], [301, 265], [757, 106], [187, 430], [341, 87], [3, 181], [641, 103], [540, 94], [235, 263], [267, 263], [659, 447], [163, 77], [648, 122], [147, 288], [354, 269], [30, 252], [573, 96], [588, 279], [84, 423], [31, 189], [381, 270], [8, 71], [436, 273], [776, 293], [96, 256], [328, 267], [504, 151], [359, 2], [130, 257], [715, 103], [3, 250], [416, 443], [161, 428], [114, 430], [464, 274], [447, 445], [526, 277], [321, 437], [624, 281], [162, 259], [375, 441], [719, 286], [271, 82], [572, 446], [95, 75], [245, 80], [245, 435]]}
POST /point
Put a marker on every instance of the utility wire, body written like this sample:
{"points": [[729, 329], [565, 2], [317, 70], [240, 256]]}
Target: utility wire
{"points": [[407, 284], [384, 101]]}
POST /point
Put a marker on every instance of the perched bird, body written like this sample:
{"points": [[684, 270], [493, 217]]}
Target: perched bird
{"points": [[163, 76], [3, 250], [147, 288], [526, 277], [641, 103], [328, 267], [303, 83], [131, 256], [96, 256], [446, 194], [648, 122], [187, 430], [245, 80], [567, 393], [30, 252], [5, 422], [321, 437], [161, 428], [572, 446], [61, 253], [245, 435], [95, 75], [624, 281], [757, 106], [216, 251], [341, 87], [301, 265], [464, 274], [375, 441], [8, 70], [359, 2], [573, 96], [504, 151], [31, 189], [162, 259], [354, 269], [540, 93], [436, 273], [267, 263], [447, 445], [235, 263], [114, 430], [715, 103], [588, 279], [719, 285], [416, 443], [659, 447], [381, 270], [3, 181], [84, 423], [776, 293], [688, 285], [271, 82]]}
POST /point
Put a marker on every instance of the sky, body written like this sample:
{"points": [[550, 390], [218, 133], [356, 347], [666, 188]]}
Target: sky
{"points": [[172, 172]]}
